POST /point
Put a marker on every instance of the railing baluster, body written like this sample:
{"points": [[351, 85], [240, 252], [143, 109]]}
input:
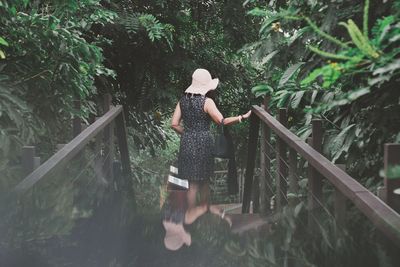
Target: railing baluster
{"points": [[251, 160], [340, 205], [293, 170], [281, 169], [265, 164], [391, 159]]}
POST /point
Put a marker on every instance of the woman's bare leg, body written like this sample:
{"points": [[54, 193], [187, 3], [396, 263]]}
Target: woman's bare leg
{"points": [[191, 194], [205, 193], [192, 214]]}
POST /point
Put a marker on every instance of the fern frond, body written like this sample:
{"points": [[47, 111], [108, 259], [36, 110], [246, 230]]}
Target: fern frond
{"points": [[324, 34], [328, 54], [365, 19]]}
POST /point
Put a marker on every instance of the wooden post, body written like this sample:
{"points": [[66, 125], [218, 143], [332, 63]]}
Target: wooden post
{"points": [[281, 169], [391, 183], [76, 121], [108, 141], [293, 181], [340, 205], [314, 178], [251, 160], [36, 162], [265, 164], [28, 159], [123, 144]]}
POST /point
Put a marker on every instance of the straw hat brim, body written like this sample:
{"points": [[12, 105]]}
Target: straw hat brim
{"points": [[175, 236], [204, 88]]}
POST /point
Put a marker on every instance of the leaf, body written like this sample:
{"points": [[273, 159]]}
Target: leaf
{"points": [[313, 96], [388, 68], [266, 25], [358, 93], [298, 208], [2, 55], [311, 77], [338, 144], [303, 183], [289, 73], [262, 89], [297, 34], [325, 236], [258, 12], [3, 42], [268, 57], [297, 99]]}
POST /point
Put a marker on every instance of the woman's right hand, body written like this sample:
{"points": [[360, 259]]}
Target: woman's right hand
{"points": [[247, 115]]}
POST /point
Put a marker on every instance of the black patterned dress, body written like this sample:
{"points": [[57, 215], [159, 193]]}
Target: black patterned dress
{"points": [[195, 161]]}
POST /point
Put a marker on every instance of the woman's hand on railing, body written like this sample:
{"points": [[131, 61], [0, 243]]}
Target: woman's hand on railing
{"points": [[247, 115]]}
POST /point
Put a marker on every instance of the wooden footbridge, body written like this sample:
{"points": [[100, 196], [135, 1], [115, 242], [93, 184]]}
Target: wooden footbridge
{"points": [[279, 155], [281, 181]]}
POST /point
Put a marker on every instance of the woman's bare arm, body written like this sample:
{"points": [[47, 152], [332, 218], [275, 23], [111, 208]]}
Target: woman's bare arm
{"points": [[217, 117], [176, 120]]}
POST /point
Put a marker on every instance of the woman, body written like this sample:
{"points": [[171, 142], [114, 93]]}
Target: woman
{"points": [[195, 161]]}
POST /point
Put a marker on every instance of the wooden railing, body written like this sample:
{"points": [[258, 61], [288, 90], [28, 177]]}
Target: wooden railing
{"points": [[288, 147], [101, 130]]}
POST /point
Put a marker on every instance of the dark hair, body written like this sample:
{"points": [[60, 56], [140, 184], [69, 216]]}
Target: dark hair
{"points": [[212, 94]]}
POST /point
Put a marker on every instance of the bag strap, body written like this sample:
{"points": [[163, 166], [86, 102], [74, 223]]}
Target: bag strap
{"points": [[221, 126]]}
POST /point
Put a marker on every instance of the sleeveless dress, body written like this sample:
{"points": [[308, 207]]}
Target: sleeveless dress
{"points": [[195, 160]]}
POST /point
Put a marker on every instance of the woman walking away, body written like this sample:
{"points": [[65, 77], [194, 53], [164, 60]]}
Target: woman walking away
{"points": [[195, 160]]}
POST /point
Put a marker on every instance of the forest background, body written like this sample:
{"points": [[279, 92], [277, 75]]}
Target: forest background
{"points": [[336, 60]]}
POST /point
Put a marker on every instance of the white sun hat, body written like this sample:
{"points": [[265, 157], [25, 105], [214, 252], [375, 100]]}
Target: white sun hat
{"points": [[175, 236], [202, 82]]}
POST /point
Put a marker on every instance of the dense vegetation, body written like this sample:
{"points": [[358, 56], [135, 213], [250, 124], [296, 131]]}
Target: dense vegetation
{"points": [[334, 60]]}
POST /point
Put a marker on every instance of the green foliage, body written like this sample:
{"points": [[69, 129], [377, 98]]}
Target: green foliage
{"points": [[343, 75], [53, 57], [155, 30]]}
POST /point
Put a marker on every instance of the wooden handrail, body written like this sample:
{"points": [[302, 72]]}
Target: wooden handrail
{"points": [[68, 151], [381, 215]]}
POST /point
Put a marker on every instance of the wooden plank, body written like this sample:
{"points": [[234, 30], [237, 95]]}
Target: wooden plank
{"points": [[265, 165], [251, 160], [242, 223], [68, 151], [27, 159], [384, 217], [281, 168], [391, 159]]}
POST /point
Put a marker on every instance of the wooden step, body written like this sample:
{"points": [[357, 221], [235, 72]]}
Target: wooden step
{"points": [[242, 223]]}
